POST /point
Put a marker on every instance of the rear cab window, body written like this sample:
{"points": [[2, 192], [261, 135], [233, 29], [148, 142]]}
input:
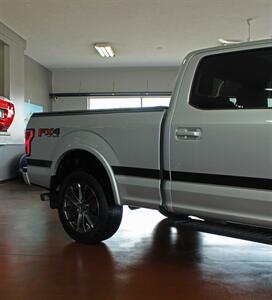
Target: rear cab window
{"points": [[238, 80]]}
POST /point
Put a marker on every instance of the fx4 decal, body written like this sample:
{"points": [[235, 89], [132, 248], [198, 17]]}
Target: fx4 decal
{"points": [[49, 132]]}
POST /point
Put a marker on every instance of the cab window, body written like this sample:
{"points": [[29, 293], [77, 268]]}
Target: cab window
{"points": [[239, 80]]}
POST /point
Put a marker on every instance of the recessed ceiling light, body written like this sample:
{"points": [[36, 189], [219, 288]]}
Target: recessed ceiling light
{"points": [[104, 49]]}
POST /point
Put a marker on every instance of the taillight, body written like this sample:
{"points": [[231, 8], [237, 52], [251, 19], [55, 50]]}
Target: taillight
{"points": [[29, 135]]}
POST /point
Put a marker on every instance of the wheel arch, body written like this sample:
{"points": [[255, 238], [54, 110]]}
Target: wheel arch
{"points": [[94, 162]]}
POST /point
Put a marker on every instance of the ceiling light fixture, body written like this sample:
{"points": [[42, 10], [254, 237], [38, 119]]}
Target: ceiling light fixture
{"points": [[232, 42], [104, 49], [228, 42]]}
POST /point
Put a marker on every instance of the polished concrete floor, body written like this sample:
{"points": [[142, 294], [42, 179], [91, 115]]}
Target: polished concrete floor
{"points": [[146, 259]]}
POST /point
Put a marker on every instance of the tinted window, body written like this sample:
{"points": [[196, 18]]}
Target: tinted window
{"points": [[241, 80]]}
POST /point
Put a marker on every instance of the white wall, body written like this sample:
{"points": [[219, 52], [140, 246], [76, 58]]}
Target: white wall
{"points": [[24, 79], [70, 103], [139, 79], [15, 83], [114, 79], [38, 83], [12, 146], [4, 70], [1, 69]]}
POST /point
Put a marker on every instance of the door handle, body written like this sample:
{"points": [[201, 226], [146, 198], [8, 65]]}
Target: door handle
{"points": [[188, 133]]}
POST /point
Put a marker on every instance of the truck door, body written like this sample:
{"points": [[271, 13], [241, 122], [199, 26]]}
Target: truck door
{"points": [[220, 138]]}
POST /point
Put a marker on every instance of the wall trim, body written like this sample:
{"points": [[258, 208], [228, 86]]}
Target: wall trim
{"points": [[110, 94]]}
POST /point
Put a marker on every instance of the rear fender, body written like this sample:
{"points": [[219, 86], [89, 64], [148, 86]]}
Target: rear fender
{"points": [[92, 143]]}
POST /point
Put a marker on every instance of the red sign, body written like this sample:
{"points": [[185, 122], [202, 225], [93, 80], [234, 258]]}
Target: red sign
{"points": [[7, 113]]}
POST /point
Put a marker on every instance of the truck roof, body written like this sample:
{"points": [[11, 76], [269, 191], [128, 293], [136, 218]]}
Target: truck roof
{"points": [[265, 43]]}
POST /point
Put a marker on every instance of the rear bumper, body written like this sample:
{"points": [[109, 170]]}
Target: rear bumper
{"points": [[23, 168], [25, 175]]}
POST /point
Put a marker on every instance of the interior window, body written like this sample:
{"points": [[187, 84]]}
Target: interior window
{"points": [[155, 101], [241, 80], [114, 102], [127, 102]]}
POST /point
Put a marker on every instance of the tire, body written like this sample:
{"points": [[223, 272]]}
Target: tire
{"points": [[85, 209]]}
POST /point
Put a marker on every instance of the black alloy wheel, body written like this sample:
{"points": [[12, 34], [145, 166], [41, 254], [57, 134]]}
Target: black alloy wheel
{"points": [[86, 209]]}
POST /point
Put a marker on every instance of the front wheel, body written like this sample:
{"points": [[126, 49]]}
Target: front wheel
{"points": [[86, 210]]}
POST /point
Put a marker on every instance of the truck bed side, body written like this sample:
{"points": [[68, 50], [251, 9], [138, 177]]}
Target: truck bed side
{"points": [[127, 141]]}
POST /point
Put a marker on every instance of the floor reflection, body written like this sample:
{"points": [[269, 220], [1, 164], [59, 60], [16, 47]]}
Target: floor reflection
{"points": [[149, 257], [171, 243], [179, 261]]}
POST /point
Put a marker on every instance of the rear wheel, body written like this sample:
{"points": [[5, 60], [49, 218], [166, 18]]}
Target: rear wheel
{"points": [[86, 209]]}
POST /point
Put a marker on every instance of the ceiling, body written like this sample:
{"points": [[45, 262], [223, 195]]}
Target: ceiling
{"points": [[60, 33]]}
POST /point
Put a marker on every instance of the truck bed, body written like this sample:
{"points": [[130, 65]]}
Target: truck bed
{"points": [[127, 139]]}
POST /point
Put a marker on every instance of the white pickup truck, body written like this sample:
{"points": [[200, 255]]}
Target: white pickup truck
{"points": [[208, 155]]}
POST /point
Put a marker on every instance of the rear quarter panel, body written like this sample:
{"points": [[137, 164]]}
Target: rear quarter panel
{"points": [[119, 139]]}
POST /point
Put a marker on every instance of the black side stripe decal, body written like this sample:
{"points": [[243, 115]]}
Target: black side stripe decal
{"points": [[203, 178], [226, 180], [39, 163], [137, 172]]}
